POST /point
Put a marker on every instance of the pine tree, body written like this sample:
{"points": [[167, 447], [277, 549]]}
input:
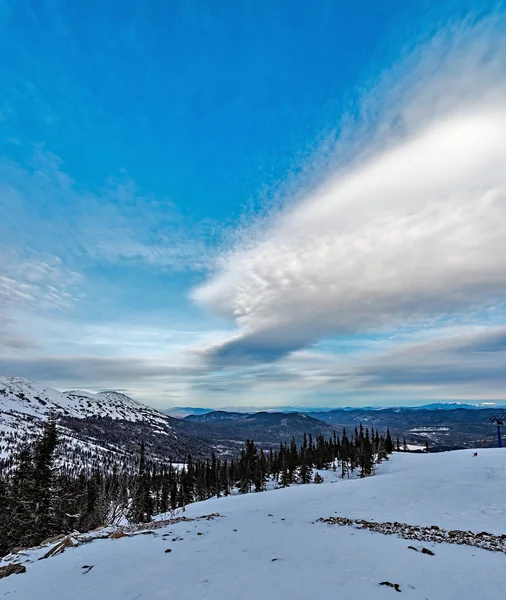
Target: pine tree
{"points": [[318, 478], [23, 496], [4, 518], [305, 467], [46, 512], [389, 446], [142, 505]]}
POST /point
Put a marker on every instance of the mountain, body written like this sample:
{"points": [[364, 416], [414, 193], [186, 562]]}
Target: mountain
{"points": [[444, 429], [180, 412], [308, 541], [104, 428], [267, 429], [216, 416], [26, 397]]}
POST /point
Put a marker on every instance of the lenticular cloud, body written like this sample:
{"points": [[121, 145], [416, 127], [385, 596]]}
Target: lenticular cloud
{"points": [[413, 229]]}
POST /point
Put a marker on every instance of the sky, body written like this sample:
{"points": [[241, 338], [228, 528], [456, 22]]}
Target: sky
{"points": [[255, 204]]}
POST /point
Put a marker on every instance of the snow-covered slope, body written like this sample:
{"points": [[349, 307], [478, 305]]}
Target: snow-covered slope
{"points": [[24, 396], [272, 546], [92, 426]]}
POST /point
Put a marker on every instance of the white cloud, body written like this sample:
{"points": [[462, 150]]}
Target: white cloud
{"points": [[412, 229], [116, 224], [35, 283], [31, 286]]}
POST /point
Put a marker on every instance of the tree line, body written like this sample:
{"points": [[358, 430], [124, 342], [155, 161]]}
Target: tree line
{"points": [[41, 496]]}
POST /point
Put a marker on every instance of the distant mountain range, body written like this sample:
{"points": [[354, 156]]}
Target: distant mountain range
{"points": [[265, 428], [181, 412], [107, 428], [443, 426]]}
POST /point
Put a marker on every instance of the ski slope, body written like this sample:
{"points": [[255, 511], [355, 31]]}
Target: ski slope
{"points": [[269, 545]]}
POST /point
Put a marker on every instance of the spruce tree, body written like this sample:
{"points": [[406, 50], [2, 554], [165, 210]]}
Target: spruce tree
{"points": [[142, 505], [46, 512], [4, 518], [389, 446]]}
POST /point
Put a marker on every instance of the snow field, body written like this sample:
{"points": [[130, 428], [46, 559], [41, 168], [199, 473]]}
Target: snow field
{"points": [[268, 546]]}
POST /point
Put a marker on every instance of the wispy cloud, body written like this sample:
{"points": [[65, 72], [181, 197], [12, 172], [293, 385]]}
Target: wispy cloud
{"points": [[32, 285], [116, 224], [43, 284], [410, 230]]}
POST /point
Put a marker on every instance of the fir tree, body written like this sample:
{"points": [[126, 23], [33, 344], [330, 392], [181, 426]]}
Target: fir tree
{"points": [[389, 446]]}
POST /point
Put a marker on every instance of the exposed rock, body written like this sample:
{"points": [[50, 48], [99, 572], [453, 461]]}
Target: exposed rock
{"points": [[12, 569], [392, 585], [51, 540], [427, 551], [484, 540], [66, 542], [88, 568], [116, 535]]}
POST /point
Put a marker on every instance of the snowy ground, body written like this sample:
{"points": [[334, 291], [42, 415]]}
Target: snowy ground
{"points": [[267, 546]]}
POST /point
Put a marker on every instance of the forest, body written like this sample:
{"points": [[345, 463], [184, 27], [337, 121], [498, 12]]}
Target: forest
{"points": [[42, 496]]}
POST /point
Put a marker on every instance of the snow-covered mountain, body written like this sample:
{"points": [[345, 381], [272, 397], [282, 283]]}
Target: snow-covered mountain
{"points": [[107, 426], [24, 396], [420, 528]]}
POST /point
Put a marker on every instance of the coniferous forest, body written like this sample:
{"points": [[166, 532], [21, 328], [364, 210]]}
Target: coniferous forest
{"points": [[42, 496]]}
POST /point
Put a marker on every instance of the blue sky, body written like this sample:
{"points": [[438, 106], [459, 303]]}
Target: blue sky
{"points": [[238, 203]]}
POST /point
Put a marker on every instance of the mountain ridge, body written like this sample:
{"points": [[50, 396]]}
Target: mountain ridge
{"points": [[104, 427]]}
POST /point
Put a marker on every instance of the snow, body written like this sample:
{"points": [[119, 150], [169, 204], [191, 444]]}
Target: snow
{"points": [[25, 405], [415, 447], [22, 396], [269, 545]]}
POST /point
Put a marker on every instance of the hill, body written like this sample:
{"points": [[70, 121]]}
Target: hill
{"points": [[266, 428], [444, 428], [104, 428], [273, 545]]}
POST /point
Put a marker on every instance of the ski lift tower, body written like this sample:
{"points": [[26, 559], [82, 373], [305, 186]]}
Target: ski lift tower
{"points": [[499, 419]]}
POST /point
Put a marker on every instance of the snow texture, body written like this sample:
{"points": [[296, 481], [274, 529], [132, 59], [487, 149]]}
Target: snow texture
{"points": [[25, 405], [21, 395], [272, 546]]}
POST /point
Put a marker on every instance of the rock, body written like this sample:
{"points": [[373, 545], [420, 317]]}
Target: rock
{"points": [[168, 550], [116, 535], [427, 551], [413, 548], [65, 543], [392, 585], [51, 540], [88, 568], [12, 569]]}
